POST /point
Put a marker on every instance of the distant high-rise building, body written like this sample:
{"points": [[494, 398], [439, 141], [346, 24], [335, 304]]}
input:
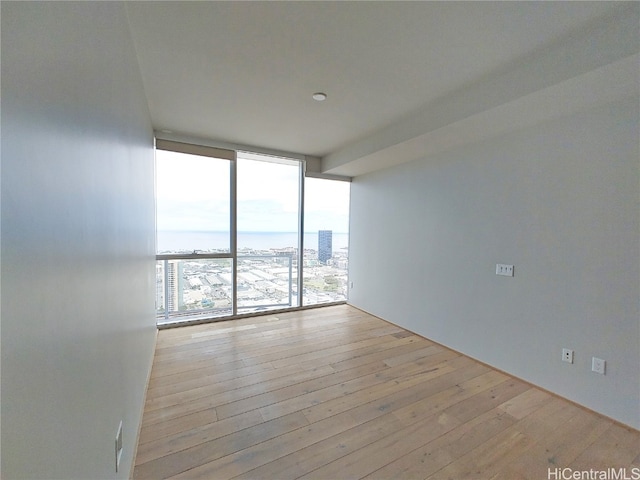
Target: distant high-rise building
{"points": [[174, 286], [325, 251], [160, 305]]}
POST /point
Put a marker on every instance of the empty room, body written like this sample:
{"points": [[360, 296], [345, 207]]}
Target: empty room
{"points": [[320, 240]]}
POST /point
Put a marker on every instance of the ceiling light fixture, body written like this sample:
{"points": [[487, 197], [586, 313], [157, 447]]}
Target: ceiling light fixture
{"points": [[319, 96]]}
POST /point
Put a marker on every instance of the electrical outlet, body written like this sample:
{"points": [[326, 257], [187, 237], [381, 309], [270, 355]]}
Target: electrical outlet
{"points": [[567, 355], [118, 446], [506, 270], [598, 365]]}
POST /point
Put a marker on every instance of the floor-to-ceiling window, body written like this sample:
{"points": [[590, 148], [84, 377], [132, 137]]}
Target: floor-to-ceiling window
{"points": [[229, 236], [194, 224], [326, 241], [268, 203]]}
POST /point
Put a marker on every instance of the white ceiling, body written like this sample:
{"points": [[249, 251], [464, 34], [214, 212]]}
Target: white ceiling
{"points": [[244, 72]]}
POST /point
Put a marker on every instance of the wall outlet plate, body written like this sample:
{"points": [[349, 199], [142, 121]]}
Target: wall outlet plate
{"points": [[567, 355], [503, 269]]}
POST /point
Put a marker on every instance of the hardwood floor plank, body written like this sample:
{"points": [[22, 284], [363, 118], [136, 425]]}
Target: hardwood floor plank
{"points": [[320, 453], [377, 392], [223, 381], [265, 331], [375, 455], [157, 431], [485, 461], [183, 368], [263, 349], [237, 390], [352, 388], [360, 356], [410, 357], [426, 406], [553, 411], [431, 457], [563, 445], [482, 422], [185, 437], [340, 384], [486, 400], [504, 451], [617, 447], [345, 379], [268, 451], [412, 391], [337, 314], [203, 453], [231, 402], [525, 403], [313, 351], [336, 393], [166, 384], [541, 428]]}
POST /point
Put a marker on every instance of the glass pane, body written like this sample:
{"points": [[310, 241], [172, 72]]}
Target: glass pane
{"points": [[265, 282], [193, 203], [189, 288], [268, 203], [326, 241]]}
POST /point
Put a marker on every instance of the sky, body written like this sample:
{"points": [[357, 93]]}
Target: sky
{"points": [[192, 193]]}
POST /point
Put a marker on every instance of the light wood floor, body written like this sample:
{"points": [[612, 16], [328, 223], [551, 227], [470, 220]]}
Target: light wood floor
{"points": [[335, 393]]}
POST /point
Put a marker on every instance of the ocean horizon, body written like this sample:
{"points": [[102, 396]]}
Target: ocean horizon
{"points": [[181, 240]]}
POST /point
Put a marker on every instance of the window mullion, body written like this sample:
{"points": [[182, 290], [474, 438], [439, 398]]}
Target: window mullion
{"points": [[233, 223], [300, 285]]}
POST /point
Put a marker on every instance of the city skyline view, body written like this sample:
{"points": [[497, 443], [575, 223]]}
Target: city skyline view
{"points": [[266, 279]]}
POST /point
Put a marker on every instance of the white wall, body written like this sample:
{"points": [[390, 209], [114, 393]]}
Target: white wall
{"points": [[560, 201], [78, 322]]}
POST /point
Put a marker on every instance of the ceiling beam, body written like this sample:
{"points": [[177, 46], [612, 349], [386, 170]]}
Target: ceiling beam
{"points": [[491, 105]]}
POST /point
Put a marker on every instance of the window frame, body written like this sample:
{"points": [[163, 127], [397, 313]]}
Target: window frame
{"points": [[231, 154]]}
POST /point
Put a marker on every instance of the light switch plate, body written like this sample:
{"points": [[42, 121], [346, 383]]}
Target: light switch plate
{"points": [[598, 365]]}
